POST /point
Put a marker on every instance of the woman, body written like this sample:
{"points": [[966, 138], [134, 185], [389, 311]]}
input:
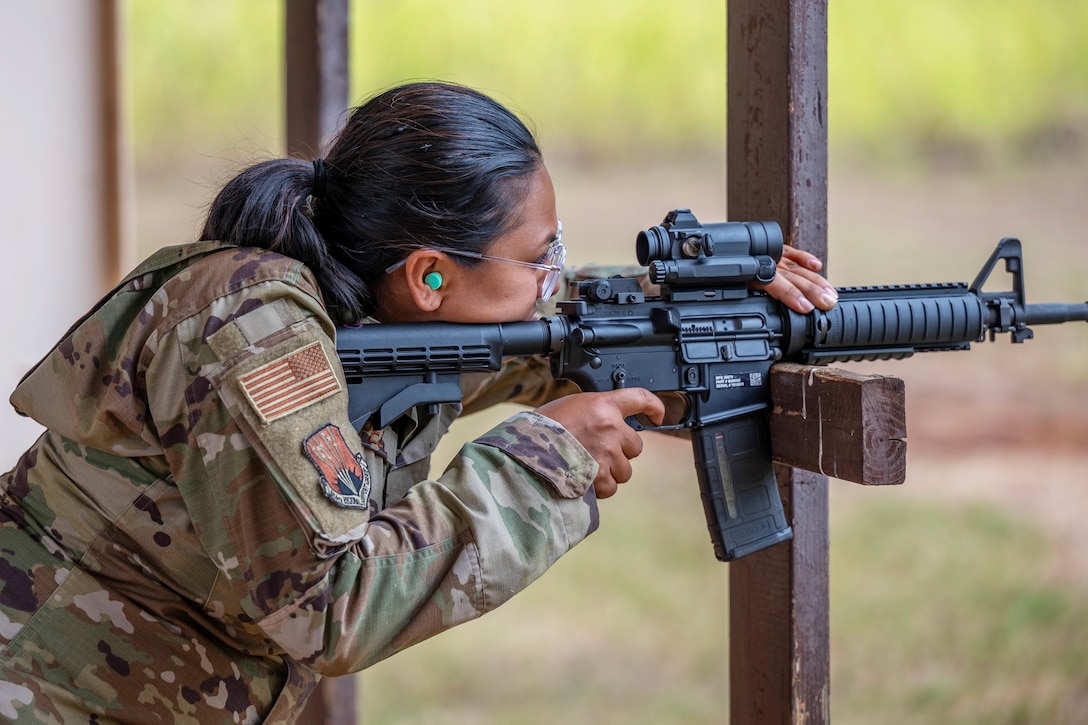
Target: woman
{"points": [[200, 534]]}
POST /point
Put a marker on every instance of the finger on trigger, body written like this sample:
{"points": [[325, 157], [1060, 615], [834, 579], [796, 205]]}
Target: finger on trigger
{"points": [[632, 401]]}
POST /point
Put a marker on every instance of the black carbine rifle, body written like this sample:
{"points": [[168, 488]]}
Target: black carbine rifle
{"points": [[707, 336]]}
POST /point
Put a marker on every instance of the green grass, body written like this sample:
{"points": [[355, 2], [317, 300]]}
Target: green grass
{"points": [[946, 615], [993, 76], [204, 71], [616, 75]]}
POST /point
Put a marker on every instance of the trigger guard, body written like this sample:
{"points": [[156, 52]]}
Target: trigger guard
{"points": [[635, 422]]}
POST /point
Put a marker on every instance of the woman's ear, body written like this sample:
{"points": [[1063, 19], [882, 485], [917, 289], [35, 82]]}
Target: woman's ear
{"points": [[426, 272]]}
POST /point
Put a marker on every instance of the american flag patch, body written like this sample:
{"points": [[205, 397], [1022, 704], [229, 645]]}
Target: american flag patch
{"points": [[290, 383]]}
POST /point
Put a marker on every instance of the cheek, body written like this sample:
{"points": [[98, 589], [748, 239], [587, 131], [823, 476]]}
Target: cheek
{"points": [[502, 298], [515, 299]]}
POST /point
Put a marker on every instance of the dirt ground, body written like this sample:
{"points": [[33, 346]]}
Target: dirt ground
{"points": [[1006, 424]]}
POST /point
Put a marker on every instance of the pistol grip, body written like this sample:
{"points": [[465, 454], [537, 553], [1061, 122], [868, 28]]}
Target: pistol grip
{"points": [[739, 490]]}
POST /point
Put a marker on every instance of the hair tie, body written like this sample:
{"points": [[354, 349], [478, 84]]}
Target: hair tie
{"points": [[319, 178]]}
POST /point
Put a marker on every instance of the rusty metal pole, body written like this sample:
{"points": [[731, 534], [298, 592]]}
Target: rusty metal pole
{"points": [[316, 56], [777, 169]]}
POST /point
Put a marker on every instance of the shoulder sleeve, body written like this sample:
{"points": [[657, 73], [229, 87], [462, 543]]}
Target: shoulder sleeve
{"points": [[251, 405], [525, 380]]}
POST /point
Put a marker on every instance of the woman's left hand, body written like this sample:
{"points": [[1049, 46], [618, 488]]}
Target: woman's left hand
{"points": [[798, 283]]}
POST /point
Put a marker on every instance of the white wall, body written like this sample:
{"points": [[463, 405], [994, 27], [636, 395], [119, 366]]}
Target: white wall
{"points": [[51, 201]]}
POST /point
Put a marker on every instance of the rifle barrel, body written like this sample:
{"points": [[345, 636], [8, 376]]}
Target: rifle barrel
{"points": [[1055, 313]]}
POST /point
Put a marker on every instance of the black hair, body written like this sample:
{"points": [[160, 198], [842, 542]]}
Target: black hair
{"points": [[423, 164]]}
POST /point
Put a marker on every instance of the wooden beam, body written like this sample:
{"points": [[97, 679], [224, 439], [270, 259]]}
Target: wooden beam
{"points": [[316, 75], [115, 176], [839, 423], [777, 169]]}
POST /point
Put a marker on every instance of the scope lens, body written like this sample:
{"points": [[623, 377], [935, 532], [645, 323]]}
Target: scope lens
{"points": [[652, 244]]}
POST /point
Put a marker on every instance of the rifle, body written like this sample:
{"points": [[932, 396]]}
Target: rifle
{"points": [[708, 336]]}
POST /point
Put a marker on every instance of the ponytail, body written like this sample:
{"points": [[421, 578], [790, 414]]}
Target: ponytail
{"points": [[272, 205]]}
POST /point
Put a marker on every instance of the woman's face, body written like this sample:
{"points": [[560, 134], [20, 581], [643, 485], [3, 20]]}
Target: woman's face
{"points": [[496, 291], [489, 290]]}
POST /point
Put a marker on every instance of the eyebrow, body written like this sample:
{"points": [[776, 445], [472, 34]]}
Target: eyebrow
{"points": [[550, 238], [558, 231]]}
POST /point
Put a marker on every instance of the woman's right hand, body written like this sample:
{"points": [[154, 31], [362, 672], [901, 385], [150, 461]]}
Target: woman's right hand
{"points": [[598, 421]]}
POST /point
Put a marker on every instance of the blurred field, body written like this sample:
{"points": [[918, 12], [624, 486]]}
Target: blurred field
{"points": [[960, 597], [969, 78]]}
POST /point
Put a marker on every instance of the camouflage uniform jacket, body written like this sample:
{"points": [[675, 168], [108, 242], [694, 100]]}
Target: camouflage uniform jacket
{"points": [[199, 535]]}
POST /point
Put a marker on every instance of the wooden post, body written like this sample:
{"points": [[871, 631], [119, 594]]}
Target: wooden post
{"points": [[777, 169], [316, 54], [115, 178], [316, 74]]}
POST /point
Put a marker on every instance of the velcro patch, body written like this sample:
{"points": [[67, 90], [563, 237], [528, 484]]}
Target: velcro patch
{"points": [[290, 383], [345, 478]]}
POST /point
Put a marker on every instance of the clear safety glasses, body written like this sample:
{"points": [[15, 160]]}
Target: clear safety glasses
{"points": [[551, 261]]}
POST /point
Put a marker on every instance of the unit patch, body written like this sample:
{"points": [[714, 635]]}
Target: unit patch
{"points": [[290, 383], [345, 479]]}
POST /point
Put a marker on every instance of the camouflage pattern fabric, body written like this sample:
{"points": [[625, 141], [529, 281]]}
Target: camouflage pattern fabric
{"points": [[199, 535]]}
